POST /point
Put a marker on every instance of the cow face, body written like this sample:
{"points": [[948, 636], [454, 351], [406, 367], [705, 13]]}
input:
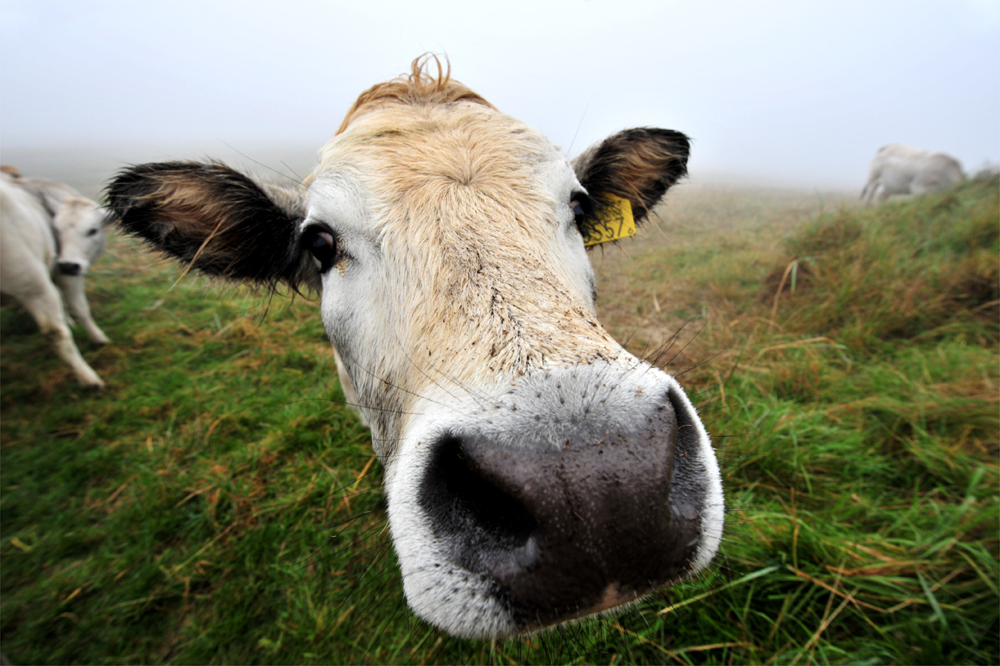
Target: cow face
{"points": [[535, 470], [79, 224]]}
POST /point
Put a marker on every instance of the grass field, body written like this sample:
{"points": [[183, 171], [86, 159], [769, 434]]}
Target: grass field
{"points": [[219, 504]]}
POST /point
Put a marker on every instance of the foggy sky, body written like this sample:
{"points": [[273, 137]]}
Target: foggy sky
{"points": [[800, 92]]}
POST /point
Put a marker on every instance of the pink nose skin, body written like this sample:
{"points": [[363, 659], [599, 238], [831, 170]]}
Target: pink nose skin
{"points": [[565, 531]]}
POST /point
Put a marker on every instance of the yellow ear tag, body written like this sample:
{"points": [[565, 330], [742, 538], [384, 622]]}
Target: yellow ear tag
{"points": [[614, 221]]}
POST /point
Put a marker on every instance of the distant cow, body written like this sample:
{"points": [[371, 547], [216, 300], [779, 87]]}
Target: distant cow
{"points": [[902, 170], [49, 235]]}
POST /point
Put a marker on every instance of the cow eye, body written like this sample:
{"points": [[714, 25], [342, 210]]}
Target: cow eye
{"points": [[92, 232], [322, 245], [582, 205]]}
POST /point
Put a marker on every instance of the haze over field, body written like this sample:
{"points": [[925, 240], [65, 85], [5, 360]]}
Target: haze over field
{"points": [[798, 93]]}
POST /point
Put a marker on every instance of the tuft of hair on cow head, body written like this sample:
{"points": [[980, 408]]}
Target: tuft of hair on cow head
{"points": [[638, 164], [417, 87], [215, 219]]}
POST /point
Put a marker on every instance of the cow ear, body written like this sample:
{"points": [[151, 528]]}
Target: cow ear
{"points": [[51, 199], [636, 164], [214, 219]]}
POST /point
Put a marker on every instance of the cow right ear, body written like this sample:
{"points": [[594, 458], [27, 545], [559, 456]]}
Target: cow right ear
{"points": [[214, 219], [638, 164]]}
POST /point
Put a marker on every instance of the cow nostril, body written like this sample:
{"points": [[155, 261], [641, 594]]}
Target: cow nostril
{"points": [[486, 527]]}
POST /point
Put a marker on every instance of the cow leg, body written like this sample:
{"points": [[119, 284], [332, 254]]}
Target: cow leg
{"points": [[75, 297], [47, 309], [866, 194], [874, 192]]}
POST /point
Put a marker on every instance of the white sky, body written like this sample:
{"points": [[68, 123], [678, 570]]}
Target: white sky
{"points": [[801, 92]]}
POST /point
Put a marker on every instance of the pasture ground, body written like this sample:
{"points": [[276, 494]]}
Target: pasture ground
{"points": [[219, 504]]}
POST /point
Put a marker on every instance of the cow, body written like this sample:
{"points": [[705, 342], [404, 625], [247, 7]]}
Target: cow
{"points": [[535, 471], [902, 170], [50, 235]]}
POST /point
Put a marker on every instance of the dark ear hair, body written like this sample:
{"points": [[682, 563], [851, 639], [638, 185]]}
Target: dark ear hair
{"points": [[213, 218], [636, 164]]}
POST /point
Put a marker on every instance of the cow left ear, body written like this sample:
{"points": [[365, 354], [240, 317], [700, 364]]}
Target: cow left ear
{"points": [[638, 164]]}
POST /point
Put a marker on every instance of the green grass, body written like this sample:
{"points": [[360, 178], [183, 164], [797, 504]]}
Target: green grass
{"points": [[219, 504]]}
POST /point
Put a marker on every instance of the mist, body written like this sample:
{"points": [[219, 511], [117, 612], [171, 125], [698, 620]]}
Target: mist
{"points": [[786, 92]]}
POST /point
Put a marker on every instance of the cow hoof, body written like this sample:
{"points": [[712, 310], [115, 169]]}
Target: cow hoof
{"points": [[93, 386], [99, 342]]}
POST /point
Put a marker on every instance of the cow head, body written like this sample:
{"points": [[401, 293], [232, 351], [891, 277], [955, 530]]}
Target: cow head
{"points": [[79, 224], [77, 221], [535, 470]]}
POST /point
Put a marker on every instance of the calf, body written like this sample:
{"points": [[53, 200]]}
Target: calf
{"points": [[535, 470], [49, 236]]}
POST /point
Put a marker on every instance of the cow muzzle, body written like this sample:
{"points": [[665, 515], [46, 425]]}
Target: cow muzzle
{"points": [[564, 524]]}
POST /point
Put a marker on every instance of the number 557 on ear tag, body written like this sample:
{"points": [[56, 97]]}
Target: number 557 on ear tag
{"points": [[613, 221]]}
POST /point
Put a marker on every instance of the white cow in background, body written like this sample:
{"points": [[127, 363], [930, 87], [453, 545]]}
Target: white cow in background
{"points": [[902, 170], [50, 234]]}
